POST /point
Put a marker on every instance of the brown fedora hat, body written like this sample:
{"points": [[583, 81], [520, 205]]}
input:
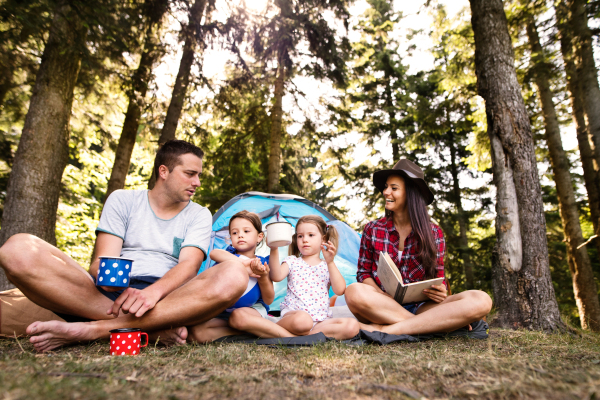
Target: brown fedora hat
{"points": [[406, 169]]}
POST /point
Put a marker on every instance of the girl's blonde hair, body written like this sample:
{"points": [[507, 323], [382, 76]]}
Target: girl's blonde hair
{"points": [[328, 232], [253, 218]]}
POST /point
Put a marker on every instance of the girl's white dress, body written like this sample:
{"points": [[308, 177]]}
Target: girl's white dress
{"points": [[307, 289]]}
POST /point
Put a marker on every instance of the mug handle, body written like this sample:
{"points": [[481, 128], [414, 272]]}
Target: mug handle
{"points": [[143, 333]]}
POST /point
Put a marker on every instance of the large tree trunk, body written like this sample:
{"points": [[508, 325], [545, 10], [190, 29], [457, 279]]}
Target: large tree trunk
{"points": [[523, 289], [463, 220], [584, 286], [276, 133], [137, 93], [182, 81], [42, 154], [591, 173]]}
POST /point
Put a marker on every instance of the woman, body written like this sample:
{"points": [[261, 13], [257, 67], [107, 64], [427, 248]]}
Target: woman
{"points": [[417, 247]]}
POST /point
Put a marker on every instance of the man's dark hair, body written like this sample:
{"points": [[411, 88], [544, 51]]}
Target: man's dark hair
{"points": [[169, 153]]}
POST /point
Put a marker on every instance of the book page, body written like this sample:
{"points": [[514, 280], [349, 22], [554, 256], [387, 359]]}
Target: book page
{"points": [[414, 291], [385, 273], [394, 267]]}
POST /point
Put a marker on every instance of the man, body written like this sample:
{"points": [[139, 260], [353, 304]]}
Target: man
{"points": [[166, 235]]}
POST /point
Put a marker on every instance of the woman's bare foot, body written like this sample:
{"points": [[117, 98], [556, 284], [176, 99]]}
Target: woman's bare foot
{"points": [[52, 334], [169, 337], [371, 327]]}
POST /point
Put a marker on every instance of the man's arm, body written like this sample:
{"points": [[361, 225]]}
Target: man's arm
{"points": [[107, 245], [137, 301]]}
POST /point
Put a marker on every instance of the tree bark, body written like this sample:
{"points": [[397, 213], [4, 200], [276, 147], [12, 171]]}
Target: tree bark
{"points": [[591, 174], [42, 155], [183, 78], [463, 220], [523, 289], [276, 133], [584, 286], [587, 73], [137, 93]]}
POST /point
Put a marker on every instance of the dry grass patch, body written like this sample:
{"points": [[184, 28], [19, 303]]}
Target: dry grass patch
{"points": [[510, 364]]}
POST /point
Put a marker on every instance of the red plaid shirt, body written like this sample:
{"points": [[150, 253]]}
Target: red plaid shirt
{"points": [[381, 235]]}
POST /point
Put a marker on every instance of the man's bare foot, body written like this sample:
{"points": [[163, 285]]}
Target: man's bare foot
{"points": [[52, 334], [169, 337], [370, 327]]}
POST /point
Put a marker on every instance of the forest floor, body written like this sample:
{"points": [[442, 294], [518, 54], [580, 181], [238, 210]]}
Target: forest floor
{"points": [[510, 364]]}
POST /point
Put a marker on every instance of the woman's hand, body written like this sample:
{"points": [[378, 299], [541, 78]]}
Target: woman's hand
{"points": [[436, 293], [329, 251]]}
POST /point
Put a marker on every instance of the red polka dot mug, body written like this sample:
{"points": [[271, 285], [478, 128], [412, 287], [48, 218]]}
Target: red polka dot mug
{"points": [[126, 341]]}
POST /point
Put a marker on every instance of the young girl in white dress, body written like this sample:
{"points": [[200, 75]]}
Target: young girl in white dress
{"points": [[305, 308]]}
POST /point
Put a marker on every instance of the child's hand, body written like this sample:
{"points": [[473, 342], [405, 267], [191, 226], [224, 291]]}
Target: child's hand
{"points": [[258, 268], [329, 251]]}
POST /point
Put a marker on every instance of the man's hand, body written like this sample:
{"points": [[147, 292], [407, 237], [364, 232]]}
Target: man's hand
{"points": [[259, 269], [135, 301]]}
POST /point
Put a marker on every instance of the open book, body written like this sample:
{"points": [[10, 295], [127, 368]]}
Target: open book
{"points": [[392, 281]]}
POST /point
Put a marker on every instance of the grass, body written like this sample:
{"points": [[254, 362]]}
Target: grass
{"points": [[510, 364]]}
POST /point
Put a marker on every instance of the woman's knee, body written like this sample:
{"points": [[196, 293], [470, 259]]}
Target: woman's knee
{"points": [[351, 327], [354, 295], [481, 302]]}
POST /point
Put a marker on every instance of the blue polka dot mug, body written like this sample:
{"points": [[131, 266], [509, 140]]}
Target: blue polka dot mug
{"points": [[114, 272]]}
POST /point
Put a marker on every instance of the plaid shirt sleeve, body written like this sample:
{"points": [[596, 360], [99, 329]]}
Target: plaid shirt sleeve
{"points": [[440, 242], [365, 255]]}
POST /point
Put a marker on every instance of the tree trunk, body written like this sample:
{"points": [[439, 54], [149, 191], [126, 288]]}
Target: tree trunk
{"points": [[183, 78], [584, 286], [591, 174], [463, 220], [587, 73], [42, 155], [523, 289], [137, 94], [276, 133]]}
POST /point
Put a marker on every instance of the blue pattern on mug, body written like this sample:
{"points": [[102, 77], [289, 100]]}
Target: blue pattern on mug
{"points": [[114, 272]]}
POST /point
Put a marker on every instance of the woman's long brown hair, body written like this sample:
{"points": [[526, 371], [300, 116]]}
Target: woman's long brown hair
{"points": [[421, 225]]}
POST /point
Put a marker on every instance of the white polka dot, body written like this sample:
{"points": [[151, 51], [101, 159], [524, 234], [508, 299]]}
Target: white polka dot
{"points": [[117, 347], [101, 279], [129, 336], [103, 264], [128, 347], [134, 340], [120, 272], [123, 353], [123, 342], [134, 352], [127, 266], [112, 279], [139, 334], [115, 265], [106, 271], [124, 280], [118, 336], [113, 342], [113, 353]]}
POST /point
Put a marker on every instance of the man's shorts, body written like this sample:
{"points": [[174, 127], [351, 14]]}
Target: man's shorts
{"points": [[140, 282], [258, 307]]}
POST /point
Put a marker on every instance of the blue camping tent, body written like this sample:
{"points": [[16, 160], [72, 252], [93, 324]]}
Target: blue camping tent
{"points": [[290, 208]]}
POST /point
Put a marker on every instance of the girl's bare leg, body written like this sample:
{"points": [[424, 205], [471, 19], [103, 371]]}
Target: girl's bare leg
{"points": [[298, 323], [338, 328], [210, 331], [249, 320]]}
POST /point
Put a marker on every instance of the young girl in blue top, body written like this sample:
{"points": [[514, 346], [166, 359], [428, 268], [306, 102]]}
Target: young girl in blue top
{"points": [[245, 230]]}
